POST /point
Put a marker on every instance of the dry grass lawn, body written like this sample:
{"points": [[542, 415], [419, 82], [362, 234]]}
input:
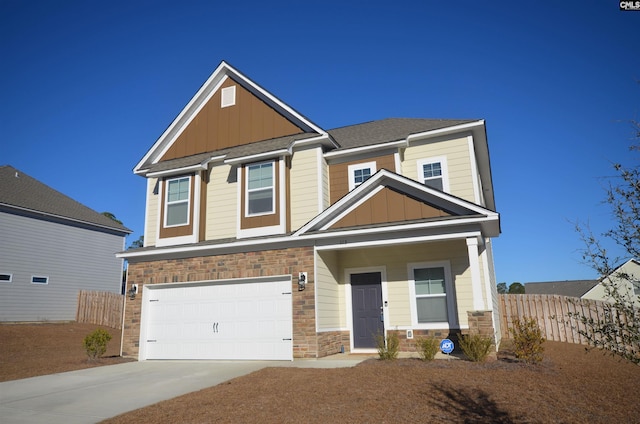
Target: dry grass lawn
{"points": [[570, 386]]}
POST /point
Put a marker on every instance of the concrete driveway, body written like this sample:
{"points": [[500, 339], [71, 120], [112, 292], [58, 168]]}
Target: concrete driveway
{"points": [[95, 394]]}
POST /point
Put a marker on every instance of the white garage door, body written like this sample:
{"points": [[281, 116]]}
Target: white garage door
{"points": [[230, 320]]}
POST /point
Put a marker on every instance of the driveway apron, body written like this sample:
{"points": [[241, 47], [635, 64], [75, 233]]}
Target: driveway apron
{"points": [[95, 394]]}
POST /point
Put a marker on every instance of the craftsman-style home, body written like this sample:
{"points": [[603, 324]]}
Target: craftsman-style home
{"points": [[269, 237]]}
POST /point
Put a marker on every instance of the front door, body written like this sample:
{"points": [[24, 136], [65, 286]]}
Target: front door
{"points": [[366, 299]]}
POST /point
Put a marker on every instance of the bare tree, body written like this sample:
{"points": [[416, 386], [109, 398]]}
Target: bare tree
{"points": [[617, 330]]}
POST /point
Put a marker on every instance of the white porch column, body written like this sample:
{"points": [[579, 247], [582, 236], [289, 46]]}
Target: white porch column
{"points": [[476, 281]]}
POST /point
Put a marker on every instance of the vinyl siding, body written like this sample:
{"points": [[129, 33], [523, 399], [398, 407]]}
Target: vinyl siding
{"points": [[396, 259], [304, 186], [222, 201], [458, 163], [152, 211], [73, 259], [330, 306], [326, 199]]}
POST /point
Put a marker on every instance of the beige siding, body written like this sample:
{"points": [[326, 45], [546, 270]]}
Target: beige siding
{"points": [[326, 196], [396, 259], [456, 151], [330, 306], [222, 203], [152, 210], [304, 186]]}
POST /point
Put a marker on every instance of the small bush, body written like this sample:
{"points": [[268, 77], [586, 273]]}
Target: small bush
{"points": [[388, 349], [527, 340], [476, 347], [427, 348], [96, 343]]}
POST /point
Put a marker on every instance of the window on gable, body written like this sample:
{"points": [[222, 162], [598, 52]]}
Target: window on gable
{"points": [[260, 189], [360, 173], [177, 201], [6, 278], [433, 173]]}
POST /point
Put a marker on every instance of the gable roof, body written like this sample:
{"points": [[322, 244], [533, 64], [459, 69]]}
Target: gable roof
{"points": [[211, 86], [388, 130], [20, 192], [458, 209], [573, 288]]}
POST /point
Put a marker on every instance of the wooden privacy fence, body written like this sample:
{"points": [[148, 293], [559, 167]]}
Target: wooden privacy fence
{"points": [[102, 308], [552, 313]]}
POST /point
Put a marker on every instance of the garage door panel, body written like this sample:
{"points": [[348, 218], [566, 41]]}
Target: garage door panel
{"points": [[220, 321]]}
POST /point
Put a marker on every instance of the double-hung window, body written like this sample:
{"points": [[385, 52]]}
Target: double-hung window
{"points": [[360, 173], [177, 201], [430, 288], [260, 198], [433, 173]]}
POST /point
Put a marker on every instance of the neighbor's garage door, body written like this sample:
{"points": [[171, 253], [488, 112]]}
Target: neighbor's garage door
{"points": [[233, 320]]}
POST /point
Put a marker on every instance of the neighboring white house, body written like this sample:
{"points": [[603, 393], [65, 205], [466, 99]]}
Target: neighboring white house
{"points": [[626, 278], [50, 248]]}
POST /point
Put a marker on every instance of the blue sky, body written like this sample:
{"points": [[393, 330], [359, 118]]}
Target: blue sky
{"points": [[88, 86]]}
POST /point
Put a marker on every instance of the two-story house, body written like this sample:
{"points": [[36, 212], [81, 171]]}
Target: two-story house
{"points": [[51, 247], [268, 237]]}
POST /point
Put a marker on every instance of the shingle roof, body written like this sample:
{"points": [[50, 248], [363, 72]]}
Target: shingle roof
{"points": [[20, 191], [359, 135], [386, 130], [250, 149], [574, 288]]}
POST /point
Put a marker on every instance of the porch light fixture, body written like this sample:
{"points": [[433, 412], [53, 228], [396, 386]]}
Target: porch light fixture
{"points": [[302, 280], [132, 291]]}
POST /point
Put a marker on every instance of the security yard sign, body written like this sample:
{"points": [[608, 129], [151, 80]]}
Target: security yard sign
{"points": [[446, 346]]}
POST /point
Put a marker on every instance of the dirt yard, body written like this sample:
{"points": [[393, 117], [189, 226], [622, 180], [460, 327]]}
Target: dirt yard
{"points": [[29, 350], [570, 386]]}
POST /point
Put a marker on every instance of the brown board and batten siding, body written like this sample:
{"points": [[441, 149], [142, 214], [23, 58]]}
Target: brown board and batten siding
{"points": [[389, 206], [215, 127], [339, 174]]}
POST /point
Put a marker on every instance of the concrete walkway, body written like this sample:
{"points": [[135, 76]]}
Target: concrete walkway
{"points": [[95, 394]]}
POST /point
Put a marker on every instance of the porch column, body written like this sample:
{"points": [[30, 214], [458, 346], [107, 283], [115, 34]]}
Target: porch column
{"points": [[476, 281]]}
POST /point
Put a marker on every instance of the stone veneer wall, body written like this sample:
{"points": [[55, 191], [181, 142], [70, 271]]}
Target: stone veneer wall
{"points": [[332, 342], [237, 265]]}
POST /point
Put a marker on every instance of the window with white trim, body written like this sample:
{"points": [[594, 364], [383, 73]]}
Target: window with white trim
{"points": [[177, 202], [360, 173], [6, 278], [260, 191], [431, 290], [39, 279], [433, 173], [431, 294]]}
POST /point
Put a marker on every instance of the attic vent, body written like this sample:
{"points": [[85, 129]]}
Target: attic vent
{"points": [[228, 96]]}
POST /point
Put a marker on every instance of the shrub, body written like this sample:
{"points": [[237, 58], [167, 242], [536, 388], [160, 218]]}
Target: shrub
{"points": [[475, 346], [427, 348], [388, 348], [527, 340], [96, 343]]}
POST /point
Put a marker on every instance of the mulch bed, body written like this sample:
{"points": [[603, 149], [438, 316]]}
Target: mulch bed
{"points": [[569, 386]]}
